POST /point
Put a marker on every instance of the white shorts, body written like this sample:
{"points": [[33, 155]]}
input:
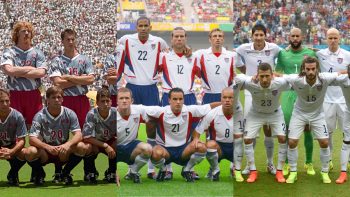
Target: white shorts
{"points": [[247, 102], [317, 125], [238, 126], [334, 112], [347, 125], [255, 121]]}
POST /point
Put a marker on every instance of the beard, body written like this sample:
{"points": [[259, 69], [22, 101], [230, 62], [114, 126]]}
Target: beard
{"points": [[295, 45], [311, 77]]}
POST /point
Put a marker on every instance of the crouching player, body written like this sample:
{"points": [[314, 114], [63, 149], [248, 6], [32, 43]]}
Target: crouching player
{"points": [[174, 138], [49, 139], [12, 137], [99, 134], [220, 122], [130, 150]]}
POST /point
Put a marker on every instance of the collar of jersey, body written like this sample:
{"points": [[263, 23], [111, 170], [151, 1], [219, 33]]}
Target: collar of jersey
{"points": [[23, 51], [11, 109], [48, 113], [265, 47]]}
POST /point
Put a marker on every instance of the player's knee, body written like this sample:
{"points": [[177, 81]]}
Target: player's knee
{"points": [[81, 148], [323, 143], [202, 148], [281, 139], [146, 149], [212, 144], [31, 153], [292, 143], [157, 154], [248, 141]]}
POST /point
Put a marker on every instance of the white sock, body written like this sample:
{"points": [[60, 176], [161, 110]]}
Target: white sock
{"points": [[196, 158], [282, 155], [238, 153], [344, 157], [269, 149], [140, 161], [324, 157], [213, 157], [249, 152], [160, 164], [293, 158], [169, 168]]}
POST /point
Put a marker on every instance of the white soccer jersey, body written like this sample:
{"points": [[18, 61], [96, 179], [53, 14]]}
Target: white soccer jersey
{"points": [[265, 100], [344, 82], [251, 58], [310, 98], [142, 60], [177, 72], [239, 81], [175, 130], [127, 129], [216, 72], [333, 62], [221, 127]]}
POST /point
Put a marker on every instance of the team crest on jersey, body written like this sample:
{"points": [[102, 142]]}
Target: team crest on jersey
{"points": [[227, 59], [340, 60], [189, 60], [274, 92], [136, 120], [319, 87], [153, 46], [267, 52]]}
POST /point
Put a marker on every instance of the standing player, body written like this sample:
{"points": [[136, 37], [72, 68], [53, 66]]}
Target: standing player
{"points": [[289, 62], [25, 65], [129, 149], [12, 137], [113, 70], [253, 54], [220, 145], [266, 110], [99, 134], [333, 59], [174, 137], [142, 59], [310, 86], [49, 138]]}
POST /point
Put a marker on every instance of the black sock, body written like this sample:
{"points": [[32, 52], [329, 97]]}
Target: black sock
{"points": [[72, 162], [37, 167], [112, 165], [89, 164], [16, 165], [58, 168]]}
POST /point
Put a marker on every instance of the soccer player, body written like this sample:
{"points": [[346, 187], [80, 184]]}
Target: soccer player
{"points": [[142, 59], [129, 149], [49, 138], [310, 86], [99, 135], [112, 72], [289, 62], [25, 65], [344, 82], [333, 59], [220, 145], [252, 54], [174, 137], [12, 137], [266, 110]]}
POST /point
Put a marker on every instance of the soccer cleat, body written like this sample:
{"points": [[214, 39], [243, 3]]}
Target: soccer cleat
{"points": [[271, 169], [342, 178], [195, 175], [57, 177], [168, 176], [293, 176], [216, 176], [279, 176], [325, 177], [238, 176], [39, 180], [246, 170], [161, 175], [309, 169], [330, 165], [286, 169], [67, 179], [252, 176], [13, 179], [127, 176], [152, 175], [91, 178], [110, 177], [188, 176], [209, 174], [136, 177]]}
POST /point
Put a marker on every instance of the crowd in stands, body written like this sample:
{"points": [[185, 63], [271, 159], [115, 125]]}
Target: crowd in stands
{"points": [[213, 10], [94, 21], [165, 10], [313, 17]]}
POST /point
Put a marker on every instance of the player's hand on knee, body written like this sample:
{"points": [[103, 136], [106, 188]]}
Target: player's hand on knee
{"points": [[53, 150], [110, 152], [195, 142]]}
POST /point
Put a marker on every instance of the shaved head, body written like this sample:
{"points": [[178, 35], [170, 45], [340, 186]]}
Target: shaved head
{"points": [[333, 39], [296, 30], [333, 31]]}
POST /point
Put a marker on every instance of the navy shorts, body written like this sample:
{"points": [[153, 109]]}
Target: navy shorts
{"points": [[226, 150], [145, 94], [209, 98], [124, 152], [175, 155]]}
